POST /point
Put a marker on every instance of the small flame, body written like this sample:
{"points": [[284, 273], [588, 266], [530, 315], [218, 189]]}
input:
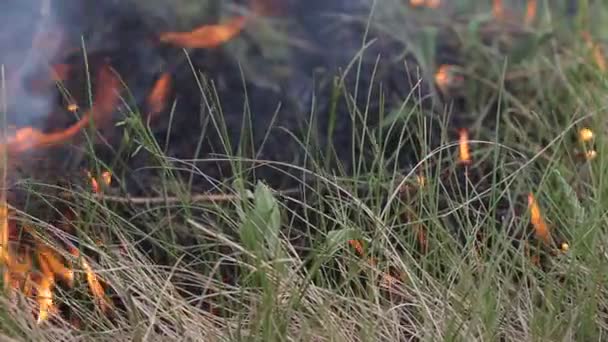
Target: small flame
{"points": [[94, 283], [106, 99], [541, 229], [498, 10], [448, 78], [590, 155], [72, 107], [425, 3], [49, 257], [157, 100], [106, 180], [4, 232], [206, 36], [531, 9], [463, 147], [356, 244], [45, 298], [585, 134], [44, 292]]}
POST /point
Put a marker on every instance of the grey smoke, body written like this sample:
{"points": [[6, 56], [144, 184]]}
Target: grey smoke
{"points": [[28, 44]]}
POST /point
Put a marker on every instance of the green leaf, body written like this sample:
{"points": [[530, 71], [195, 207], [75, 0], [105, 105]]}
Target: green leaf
{"points": [[261, 225], [267, 208]]}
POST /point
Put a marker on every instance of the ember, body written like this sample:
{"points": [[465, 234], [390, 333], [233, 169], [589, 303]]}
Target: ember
{"points": [[356, 244], [497, 9], [541, 229], [425, 3], [94, 284], [464, 155], [585, 135], [448, 79], [106, 180], [531, 12]]}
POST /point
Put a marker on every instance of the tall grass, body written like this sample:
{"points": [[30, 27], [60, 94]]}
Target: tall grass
{"points": [[262, 264]]}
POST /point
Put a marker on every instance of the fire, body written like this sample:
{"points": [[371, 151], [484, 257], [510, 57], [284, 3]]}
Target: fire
{"points": [[531, 9], [72, 107], [447, 78], [4, 233], [425, 3], [541, 229], [106, 180], [94, 284], [585, 135], [590, 155], [206, 36], [44, 292], [157, 100], [54, 265], [464, 155], [106, 99], [497, 9], [356, 244], [19, 274]]}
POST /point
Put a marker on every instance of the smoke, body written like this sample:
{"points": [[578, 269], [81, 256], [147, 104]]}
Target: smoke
{"points": [[31, 38]]}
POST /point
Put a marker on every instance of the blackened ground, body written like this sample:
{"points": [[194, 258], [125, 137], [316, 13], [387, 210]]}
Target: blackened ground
{"points": [[286, 117]]}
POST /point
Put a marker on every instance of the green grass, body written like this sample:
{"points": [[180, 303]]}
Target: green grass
{"points": [[475, 281]]}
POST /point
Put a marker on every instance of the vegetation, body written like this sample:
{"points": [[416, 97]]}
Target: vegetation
{"points": [[447, 249]]}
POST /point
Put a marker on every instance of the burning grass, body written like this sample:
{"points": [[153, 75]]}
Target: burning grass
{"points": [[494, 232]]}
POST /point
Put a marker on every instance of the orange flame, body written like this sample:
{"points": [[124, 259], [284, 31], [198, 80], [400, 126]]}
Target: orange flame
{"points": [[447, 78], [425, 3], [463, 147], [106, 180], [590, 155], [44, 292], [497, 9], [106, 99], [442, 76], [531, 9], [585, 134], [49, 257], [206, 36], [157, 100], [72, 107], [94, 284], [356, 244], [541, 229], [4, 233]]}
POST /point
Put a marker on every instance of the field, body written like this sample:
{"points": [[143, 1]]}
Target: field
{"points": [[390, 171]]}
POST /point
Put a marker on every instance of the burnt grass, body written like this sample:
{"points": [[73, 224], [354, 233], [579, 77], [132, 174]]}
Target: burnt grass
{"points": [[239, 114]]}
